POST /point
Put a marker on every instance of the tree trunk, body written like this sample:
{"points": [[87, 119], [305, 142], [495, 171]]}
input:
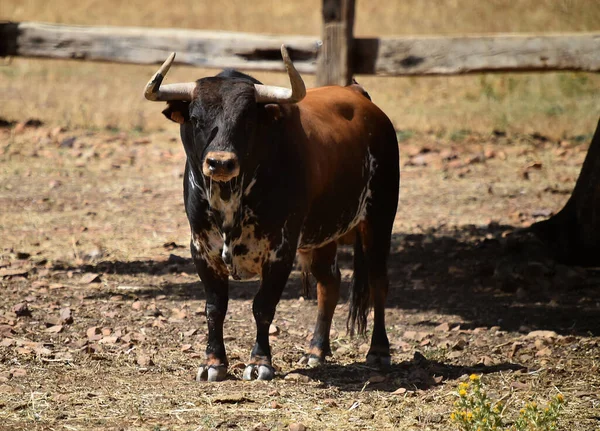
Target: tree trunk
{"points": [[573, 234]]}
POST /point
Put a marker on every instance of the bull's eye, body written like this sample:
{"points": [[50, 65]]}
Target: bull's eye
{"points": [[213, 133]]}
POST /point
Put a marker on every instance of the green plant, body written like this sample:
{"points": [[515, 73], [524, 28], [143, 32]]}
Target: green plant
{"points": [[474, 411]]}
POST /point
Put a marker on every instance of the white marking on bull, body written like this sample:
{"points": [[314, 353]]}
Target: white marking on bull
{"points": [[227, 208], [249, 264], [210, 248], [247, 191], [274, 252]]}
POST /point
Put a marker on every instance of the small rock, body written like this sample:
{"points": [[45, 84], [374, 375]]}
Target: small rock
{"points": [[542, 334], [297, 377], [273, 330], [68, 142], [66, 316], [22, 310], [377, 378], [144, 360], [297, 427], [544, 352]]}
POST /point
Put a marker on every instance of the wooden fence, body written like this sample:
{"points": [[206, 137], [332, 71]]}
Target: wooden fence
{"points": [[335, 58]]}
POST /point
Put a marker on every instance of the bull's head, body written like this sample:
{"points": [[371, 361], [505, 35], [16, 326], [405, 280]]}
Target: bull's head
{"points": [[220, 115]]}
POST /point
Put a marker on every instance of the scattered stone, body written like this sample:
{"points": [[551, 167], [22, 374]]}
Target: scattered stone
{"points": [[297, 377], [66, 316], [542, 334], [22, 310], [144, 360]]}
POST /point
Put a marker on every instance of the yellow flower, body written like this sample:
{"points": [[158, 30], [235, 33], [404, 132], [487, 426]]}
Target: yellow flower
{"points": [[452, 416], [560, 398], [469, 416], [463, 385], [462, 393], [474, 377]]}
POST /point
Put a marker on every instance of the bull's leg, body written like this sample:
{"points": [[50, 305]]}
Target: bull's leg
{"points": [[274, 277], [324, 268], [376, 239], [371, 253], [217, 295]]}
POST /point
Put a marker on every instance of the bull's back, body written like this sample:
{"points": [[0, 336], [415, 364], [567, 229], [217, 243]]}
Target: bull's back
{"points": [[346, 139]]}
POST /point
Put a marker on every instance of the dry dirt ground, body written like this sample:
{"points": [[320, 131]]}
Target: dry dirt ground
{"points": [[102, 316]]}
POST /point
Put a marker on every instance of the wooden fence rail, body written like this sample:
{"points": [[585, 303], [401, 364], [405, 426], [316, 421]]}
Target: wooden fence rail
{"points": [[393, 56]]}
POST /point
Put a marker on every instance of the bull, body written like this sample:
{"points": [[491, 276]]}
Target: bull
{"points": [[272, 171]]}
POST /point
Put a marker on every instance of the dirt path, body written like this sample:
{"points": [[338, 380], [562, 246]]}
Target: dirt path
{"points": [[102, 322]]}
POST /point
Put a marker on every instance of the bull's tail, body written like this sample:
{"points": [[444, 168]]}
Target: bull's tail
{"points": [[360, 302]]}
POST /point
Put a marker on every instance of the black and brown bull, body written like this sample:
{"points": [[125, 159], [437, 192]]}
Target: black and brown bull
{"points": [[270, 172]]}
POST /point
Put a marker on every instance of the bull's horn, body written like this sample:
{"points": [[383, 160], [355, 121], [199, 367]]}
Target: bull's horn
{"points": [[272, 94], [155, 92]]}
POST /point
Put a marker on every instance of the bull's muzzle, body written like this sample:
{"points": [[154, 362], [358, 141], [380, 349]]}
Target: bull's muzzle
{"points": [[221, 166]]}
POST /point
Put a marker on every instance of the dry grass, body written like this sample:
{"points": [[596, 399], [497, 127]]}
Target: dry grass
{"points": [[101, 95]]}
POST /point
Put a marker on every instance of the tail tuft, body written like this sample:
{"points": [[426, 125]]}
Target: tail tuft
{"points": [[360, 301]]}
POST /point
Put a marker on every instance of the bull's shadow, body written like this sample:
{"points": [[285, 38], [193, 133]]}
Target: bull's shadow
{"points": [[418, 373], [480, 273]]}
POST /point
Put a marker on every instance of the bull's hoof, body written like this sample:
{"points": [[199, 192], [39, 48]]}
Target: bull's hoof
{"points": [[211, 373], [311, 361], [258, 372], [379, 360]]}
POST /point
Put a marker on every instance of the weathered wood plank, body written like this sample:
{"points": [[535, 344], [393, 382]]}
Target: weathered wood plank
{"points": [[334, 65], [137, 45], [478, 53], [386, 56]]}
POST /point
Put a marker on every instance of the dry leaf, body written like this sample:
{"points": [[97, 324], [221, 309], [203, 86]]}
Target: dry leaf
{"points": [[108, 340], [94, 333], [190, 332], [399, 391], [66, 316], [54, 329], [443, 327], [18, 372], [90, 278]]}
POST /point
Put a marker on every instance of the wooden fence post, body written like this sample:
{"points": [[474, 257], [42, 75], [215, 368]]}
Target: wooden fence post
{"points": [[334, 65]]}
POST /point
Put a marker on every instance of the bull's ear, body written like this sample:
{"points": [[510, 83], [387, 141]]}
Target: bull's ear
{"points": [[274, 111], [178, 111]]}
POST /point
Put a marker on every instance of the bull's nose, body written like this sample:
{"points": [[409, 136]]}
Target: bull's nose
{"points": [[221, 165]]}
